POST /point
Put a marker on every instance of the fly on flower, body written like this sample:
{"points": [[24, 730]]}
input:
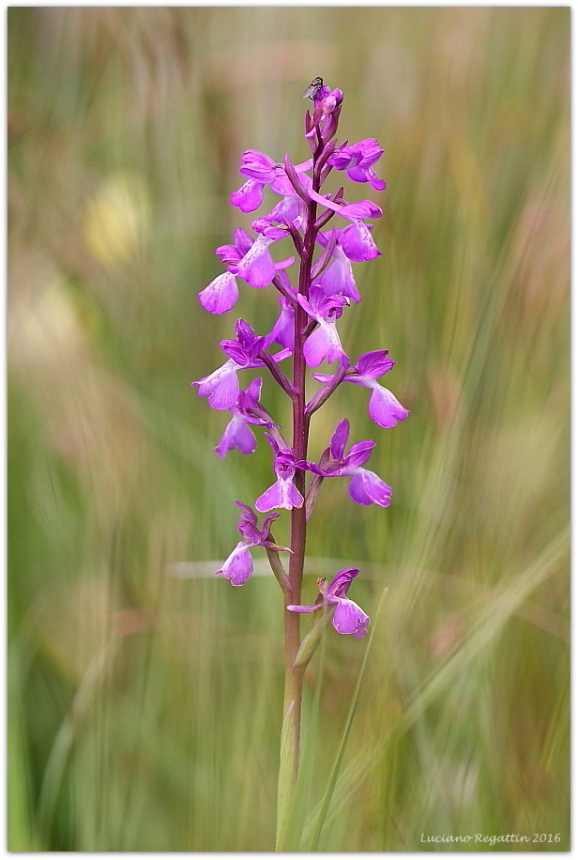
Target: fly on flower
{"points": [[313, 88]]}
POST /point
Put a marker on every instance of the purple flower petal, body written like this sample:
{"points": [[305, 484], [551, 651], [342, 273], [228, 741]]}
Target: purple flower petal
{"points": [[361, 209], [268, 230], [228, 254], [339, 439], [325, 377], [338, 277], [245, 349], [365, 153], [384, 408], [236, 435], [265, 527], [283, 331], [242, 241], [364, 174], [238, 567], [256, 165], [257, 267], [248, 528], [311, 467], [233, 253], [273, 443], [313, 607], [341, 158], [357, 242], [246, 335], [248, 513], [288, 209], [284, 264], [282, 494], [357, 174], [234, 351], [323, 344], [253, 391], [270, 498], [220, 295], [307, 306], [248, 197], [221, 387], [293, 497], [375, 181], [357, 159], [341, 582], [357, 491], [366, 488], [374, 363], [359, 453], [350, 618], [371, 151]]}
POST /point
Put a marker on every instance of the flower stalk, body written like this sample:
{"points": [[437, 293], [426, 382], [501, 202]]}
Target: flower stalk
{"points": [[305, 331]]}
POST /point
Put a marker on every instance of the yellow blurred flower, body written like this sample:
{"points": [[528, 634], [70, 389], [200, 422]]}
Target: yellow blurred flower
{"points": [[117, 220]]}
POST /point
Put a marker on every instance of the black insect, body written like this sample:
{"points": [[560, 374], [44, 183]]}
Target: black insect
{"points": [[313, 88]]}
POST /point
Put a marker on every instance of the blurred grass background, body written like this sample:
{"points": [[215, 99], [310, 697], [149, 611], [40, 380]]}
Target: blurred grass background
{"points": [[144, 708]]}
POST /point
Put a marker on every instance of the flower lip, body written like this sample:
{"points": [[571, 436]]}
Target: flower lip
{"points": [[221, 387], [357, 242], [248, 197], [220, 295]]}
